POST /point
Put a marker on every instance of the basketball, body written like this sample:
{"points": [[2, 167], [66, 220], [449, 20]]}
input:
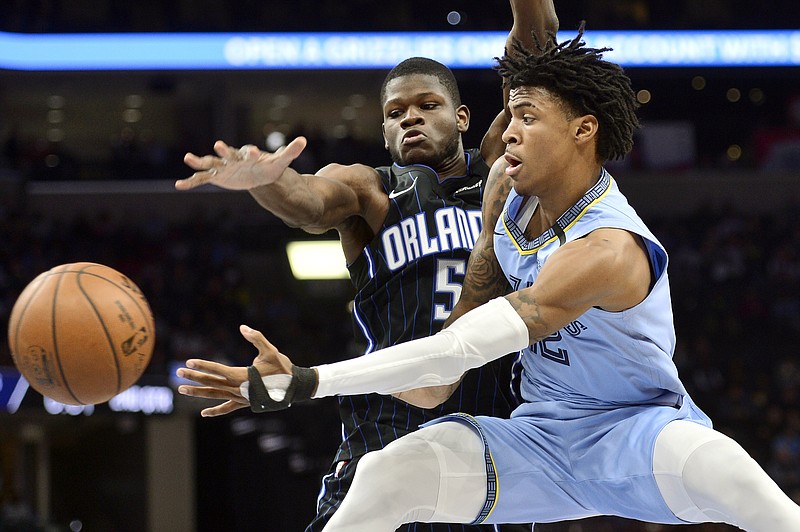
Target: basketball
{"points": [[81, 333]]}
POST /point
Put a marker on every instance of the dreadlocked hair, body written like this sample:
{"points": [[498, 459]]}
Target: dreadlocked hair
{"points": [[581, 79]]}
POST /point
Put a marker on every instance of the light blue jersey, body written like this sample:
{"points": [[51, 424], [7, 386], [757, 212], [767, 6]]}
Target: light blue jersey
{"points": [[602, 358], [597, 392]]}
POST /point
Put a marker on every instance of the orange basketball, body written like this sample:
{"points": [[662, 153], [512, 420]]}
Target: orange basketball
{"points": [[81, 333]]}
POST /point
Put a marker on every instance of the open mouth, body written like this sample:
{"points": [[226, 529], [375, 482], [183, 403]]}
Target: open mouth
{"points": [[513, 164]]}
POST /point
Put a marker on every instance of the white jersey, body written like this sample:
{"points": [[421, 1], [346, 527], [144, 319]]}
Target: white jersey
{"points": [[601, 358]]}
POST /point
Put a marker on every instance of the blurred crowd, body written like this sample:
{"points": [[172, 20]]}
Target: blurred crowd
{"points": [[362, 15], [132, 155], [192, 273], [721, 140]]}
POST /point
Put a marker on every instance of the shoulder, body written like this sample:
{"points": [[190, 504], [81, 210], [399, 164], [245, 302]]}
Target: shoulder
{"points": [[478, 167], [354, 174], [606, 253], [611, 239], [364, 181], [608, 268]]}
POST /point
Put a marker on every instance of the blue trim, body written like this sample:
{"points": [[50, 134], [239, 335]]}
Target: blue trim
{"points": [[364, 329], [492, 487], [658, 258]]}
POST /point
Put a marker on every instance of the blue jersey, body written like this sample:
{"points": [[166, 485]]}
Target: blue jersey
{"points": [[597, 392], [601, 358]]}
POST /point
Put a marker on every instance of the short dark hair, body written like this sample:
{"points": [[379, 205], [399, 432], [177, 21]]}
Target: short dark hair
{"points": [[584, 81], [428, 67]]}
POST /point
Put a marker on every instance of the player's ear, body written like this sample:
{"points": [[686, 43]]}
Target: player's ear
{"points": [[383, 132], [462, 118], [585, 128]]}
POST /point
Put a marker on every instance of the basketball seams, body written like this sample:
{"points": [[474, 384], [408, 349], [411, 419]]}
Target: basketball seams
{"points": [[55, 336], [110, 340], [146, 312], [134, 294]]}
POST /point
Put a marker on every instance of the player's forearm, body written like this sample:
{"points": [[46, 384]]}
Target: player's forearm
{"points": [[480, 336], [292, 200], [532, 17]]}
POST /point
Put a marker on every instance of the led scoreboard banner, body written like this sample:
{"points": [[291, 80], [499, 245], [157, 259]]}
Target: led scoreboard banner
{"points": [[265, 51], [16, 395]]}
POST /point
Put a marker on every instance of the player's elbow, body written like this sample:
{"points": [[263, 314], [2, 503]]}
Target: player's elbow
{"points": [[549, 20], [551, 23], [429, 397]]}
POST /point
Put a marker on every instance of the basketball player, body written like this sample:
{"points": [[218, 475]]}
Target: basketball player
{"points": [[607, 427], [406, 232]]}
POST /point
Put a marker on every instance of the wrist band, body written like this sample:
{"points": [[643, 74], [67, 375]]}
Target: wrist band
{"points": [[302, 385]]}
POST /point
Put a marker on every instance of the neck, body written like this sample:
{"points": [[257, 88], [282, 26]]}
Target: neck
{"points": [[453, 165], [552, 206]]}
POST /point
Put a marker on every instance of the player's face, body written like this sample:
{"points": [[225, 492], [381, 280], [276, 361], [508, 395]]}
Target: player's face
{"points": [[540, 141], [420, 123]]}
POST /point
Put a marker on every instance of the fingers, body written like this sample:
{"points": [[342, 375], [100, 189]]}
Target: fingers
{"points": [[248, 152], [221, 410], [210, 366], [209, 392], [291, 151], [206, 379], [223, 150], [195, 180], [231, 404], [217, 169], [214, 381], [206, 162], [207, 169], [256, 338], [212, 373]]}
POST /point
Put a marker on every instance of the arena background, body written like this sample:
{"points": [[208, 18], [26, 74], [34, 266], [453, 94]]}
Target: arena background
{"points": [[86, 170]]}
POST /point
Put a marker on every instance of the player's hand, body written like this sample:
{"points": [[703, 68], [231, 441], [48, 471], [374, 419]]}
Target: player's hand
{"points": [[239, 169], [222, 382], [214, 381]]}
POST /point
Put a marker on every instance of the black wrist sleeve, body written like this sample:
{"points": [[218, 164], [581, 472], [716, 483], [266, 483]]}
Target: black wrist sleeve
{"points": [[302, 385]]}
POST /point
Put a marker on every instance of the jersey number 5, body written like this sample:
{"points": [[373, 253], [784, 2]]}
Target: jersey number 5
{"points": [[443, 283]]}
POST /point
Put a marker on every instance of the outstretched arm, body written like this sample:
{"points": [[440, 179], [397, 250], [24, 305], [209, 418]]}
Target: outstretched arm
{"points": [[609, 269], [315, 203]]}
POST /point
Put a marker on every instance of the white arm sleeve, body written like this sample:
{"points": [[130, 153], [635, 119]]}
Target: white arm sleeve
{"points": [[479, 336]]}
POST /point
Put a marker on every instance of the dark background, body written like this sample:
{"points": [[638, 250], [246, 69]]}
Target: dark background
{"points": [[210, 262]]}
